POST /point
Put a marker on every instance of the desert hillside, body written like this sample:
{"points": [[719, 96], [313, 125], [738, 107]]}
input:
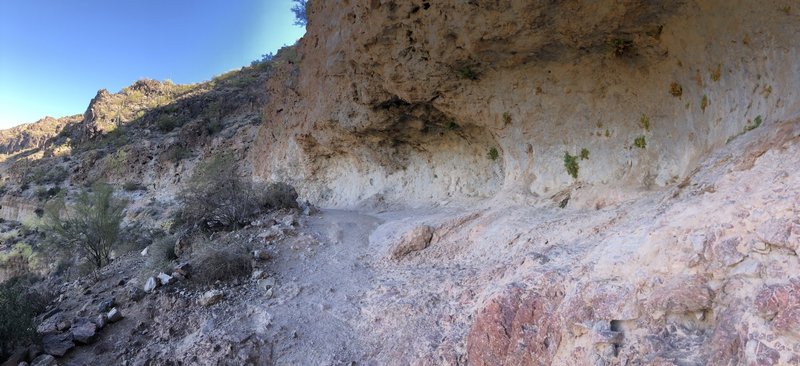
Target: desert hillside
{"points": [[428, 183]]}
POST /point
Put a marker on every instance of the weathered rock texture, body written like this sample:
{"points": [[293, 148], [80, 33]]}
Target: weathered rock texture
{"points": [[400, 102]]}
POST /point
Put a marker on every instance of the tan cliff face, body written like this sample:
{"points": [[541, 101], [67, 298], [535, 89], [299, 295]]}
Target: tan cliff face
{"points": [[401, 102]]}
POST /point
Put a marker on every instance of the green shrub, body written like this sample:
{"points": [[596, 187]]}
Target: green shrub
{"points": [[19, 305], [571, 164], [91, 225], [177, 153], [640, 142], [755, 124], [218, 198], [704, 103], [493, 154], [468, 73], [506, 118], [166, 123], [584, 153]]}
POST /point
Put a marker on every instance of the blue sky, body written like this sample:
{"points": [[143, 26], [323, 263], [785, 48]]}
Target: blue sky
{"points": [[56, 54]]}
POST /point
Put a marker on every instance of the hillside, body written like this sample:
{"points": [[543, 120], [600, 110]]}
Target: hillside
{"points": [[480, 183]]}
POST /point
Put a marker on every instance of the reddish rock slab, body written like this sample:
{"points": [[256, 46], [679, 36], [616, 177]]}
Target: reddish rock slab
{"points": [[518, 327], [781, 304], [681, 294]]}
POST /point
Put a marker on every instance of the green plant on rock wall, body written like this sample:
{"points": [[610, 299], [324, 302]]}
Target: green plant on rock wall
{"points": [[640, 142], [584, 153], [506, 118], [493, 154], [571, 164], [644, 122], [704, 103]]}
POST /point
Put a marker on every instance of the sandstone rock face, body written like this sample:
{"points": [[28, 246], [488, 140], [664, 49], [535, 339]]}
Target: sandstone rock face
{"points": [[416, 97]]}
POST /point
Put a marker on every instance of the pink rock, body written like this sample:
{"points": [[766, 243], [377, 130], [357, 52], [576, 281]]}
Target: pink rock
{"points": [[681, 294], [503, 330]]}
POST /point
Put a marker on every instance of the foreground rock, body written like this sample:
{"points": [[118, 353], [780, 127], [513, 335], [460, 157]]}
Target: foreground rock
{"points": [[57, 344], [83, 330]]}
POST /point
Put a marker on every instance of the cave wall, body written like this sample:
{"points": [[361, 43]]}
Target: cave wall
{"points": [[402, 102]]}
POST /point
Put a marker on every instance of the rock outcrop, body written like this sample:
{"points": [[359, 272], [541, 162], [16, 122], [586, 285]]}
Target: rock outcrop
{"points": [[403, 103]]}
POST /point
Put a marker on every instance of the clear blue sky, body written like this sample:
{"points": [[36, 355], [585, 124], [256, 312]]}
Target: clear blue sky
{"points": [[56, 54]]}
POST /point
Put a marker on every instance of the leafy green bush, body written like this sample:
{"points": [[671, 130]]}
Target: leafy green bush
{"points": [[19, 304], [218, 198], [91, 225], [571, 164], [584, 153]]}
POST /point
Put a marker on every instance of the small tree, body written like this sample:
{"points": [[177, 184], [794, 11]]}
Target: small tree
{"points": [[300, 14], [91, 225]]}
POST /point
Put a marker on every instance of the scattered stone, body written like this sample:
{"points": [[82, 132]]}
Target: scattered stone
{"points": [[83, 331], [57, 344], [145, 251], [114, 316], [262, 255], [165, 279], [105, 305], [135, 293], [258, 274], [150, 285], [774, 231], [44, 360], [184, 269], [266, 284], [211, 297], [413, 240], [63, 325], [100, 321]]}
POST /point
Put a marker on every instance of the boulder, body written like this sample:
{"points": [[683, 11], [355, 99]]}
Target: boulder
{"points": [[135, 293], [84, 330], [413, 240], [100, 321], [150, 285], [105, 305], [145, 251], [44, 360], [165, 279], [211, 297], [57, 344], [114, 316]]}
